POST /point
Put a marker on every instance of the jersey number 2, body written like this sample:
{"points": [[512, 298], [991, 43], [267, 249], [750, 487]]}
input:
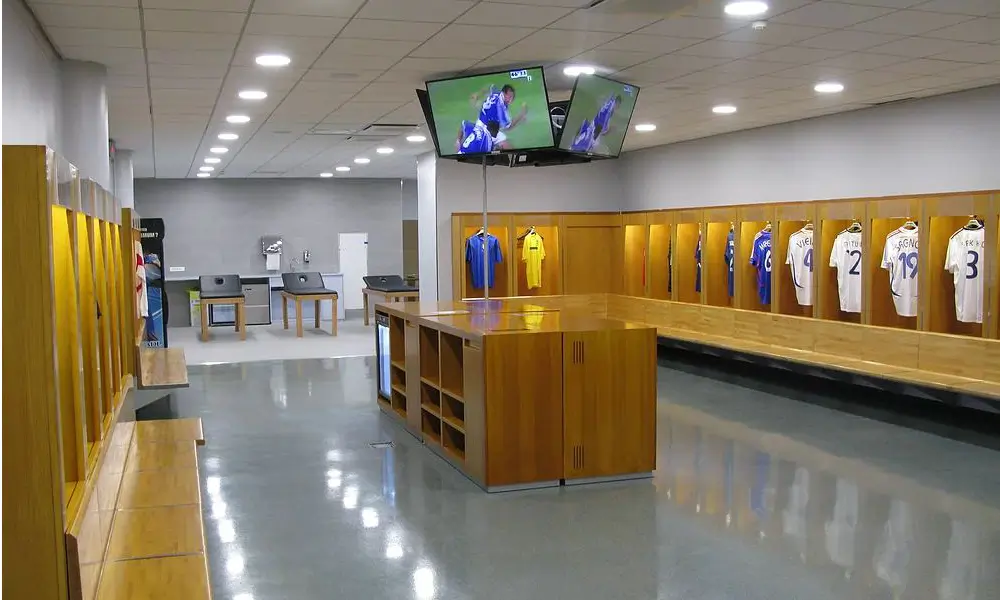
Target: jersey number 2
{"points": [[856, 254]]}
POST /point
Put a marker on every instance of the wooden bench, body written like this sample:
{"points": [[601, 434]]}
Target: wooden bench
{"points": [[162, 368], [298, 298], [140, 534], [957, 364]]}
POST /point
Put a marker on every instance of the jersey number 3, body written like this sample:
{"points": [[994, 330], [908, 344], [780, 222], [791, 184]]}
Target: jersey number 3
{"points": [[972, 265]]}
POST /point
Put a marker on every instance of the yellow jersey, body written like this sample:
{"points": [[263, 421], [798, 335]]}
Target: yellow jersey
{"points": [[533, 254]]}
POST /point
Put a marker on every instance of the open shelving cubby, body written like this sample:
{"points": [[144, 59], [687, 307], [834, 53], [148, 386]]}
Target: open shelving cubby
{"points": [[430, 426], [452, 375], [430, 361], [399, 402], [453, 441], [453, 412], [397, 337], [430, 399]]}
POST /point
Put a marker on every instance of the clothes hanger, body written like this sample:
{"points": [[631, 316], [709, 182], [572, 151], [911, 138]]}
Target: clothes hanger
{"points": [[531, 229], [808, 226], [767, 227], [732, 227], [974, 224], [855, 227], [910, 224], [480, 232]]}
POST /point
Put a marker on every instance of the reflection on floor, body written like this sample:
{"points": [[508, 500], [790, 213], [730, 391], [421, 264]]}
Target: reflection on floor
{"points": [[272, 342], [756, 497]]}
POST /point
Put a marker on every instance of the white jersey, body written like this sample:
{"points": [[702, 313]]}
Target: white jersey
{"points": [[141, 302], [846, 257], [900, 257], [800, 259], [966, 261]]}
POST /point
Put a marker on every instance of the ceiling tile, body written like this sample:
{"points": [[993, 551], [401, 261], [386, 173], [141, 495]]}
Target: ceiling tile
{"points": [[302, 50], [192, 20], [847, 39], [968, 71], [209, 5], [478, 34], [126, 81], [119, 3], [777, 34], [533, 54], [104, 55], [317, 8], [862, 60], [910, 22], [186, 83], [437, 11], [339, 78], [325, 27], [751, 67], [692, 27], [977, 30], [587, 20], [182, 40], [923, 66], [443, 65], [636, 42], [973, 53], [391, 48], [187, 71], [813, 72], [522, 15], [724, 49], [109, 38], [888, 3], [676, 63], [437, 48], [563, 3], [352, 62], [389, 30], [979, 8], [185, 98], [93, 17], [797, 55], [829, 14], [187, 57], [917, 47], [616, 59], [562, 38]]}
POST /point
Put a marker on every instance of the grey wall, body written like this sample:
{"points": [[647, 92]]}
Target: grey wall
{"points": [[215, 226], [596, 186], [31, 81], [940, 144]]}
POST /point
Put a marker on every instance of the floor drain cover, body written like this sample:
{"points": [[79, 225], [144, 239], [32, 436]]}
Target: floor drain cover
{"points": [[381, 445]]}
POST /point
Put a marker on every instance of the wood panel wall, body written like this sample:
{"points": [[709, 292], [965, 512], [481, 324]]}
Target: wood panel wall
{"points": [[651, 254]]}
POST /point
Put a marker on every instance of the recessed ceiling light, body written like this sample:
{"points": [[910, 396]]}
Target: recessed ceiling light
{"points": [[212, 160], [327, 174], [228, 136], [204, 174], [724, 109], [272, 60], [575, 70], [385, 150], [343, 169], [416, 138], [206, 169], [746, 8], [252, 94], [218, 150], [237, 119], [829, 87], [361, 160], [644, 127]]}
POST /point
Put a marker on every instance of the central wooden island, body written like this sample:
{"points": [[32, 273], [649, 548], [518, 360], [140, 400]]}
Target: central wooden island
{"points": [[518, 395]]}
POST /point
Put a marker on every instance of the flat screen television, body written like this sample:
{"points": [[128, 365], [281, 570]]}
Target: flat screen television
{"points": [[505, 111], [598, 116]]}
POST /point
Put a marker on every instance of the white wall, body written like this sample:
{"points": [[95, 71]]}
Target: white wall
{"points": [[31, 89], [941, 144], [595, 186], [427, 226]]}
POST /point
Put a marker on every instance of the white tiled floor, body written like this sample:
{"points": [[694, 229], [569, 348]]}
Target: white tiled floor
{"points": [[272, 342]]}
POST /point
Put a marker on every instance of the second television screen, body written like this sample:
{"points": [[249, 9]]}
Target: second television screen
{"points": [[490, 113], [598, 116]]}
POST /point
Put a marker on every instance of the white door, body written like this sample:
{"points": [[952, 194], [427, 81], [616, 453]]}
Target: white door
{"points": [[354, 266]]}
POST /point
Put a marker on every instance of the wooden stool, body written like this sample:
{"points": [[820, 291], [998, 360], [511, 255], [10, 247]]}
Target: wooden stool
{"points": [[387, 296], [298, 298], [241, 319]]}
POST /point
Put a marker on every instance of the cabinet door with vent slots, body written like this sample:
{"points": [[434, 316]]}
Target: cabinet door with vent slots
{"points": [[609, 403]]}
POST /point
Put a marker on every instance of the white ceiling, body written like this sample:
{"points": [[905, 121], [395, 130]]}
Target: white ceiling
{"points": [[175, 66]]}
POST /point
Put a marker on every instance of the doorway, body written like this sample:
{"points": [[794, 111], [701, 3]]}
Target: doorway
{"points": [[354, 266]]}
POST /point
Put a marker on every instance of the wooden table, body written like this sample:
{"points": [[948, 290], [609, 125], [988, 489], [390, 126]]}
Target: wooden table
{"points": [[241, 318], [298, 298], [387, 296]]}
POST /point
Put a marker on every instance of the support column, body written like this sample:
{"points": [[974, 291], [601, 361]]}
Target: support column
{"points": [[85, 119], [427, 227], [123, 189]]}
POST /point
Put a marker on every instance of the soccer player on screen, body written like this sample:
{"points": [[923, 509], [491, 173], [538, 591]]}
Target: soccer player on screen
{"points": [[602, 122], [494, 107], [473, 139], [586, 138]]}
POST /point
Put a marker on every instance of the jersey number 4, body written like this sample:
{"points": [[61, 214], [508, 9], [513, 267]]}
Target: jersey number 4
{"points": [[807, 260]]}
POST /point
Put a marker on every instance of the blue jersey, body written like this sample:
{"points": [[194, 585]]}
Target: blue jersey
{"points": [[475, 140], [761, 259], [494, 109], [604, 115], [584, 140], [730, 259], [697, 258], [474, 248]]}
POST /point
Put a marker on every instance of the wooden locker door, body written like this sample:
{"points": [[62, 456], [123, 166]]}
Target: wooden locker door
{"points": [[609, 403]]}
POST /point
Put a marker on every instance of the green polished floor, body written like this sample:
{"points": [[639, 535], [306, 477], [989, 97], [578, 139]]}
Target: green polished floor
{"points": [[757, 496]]}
